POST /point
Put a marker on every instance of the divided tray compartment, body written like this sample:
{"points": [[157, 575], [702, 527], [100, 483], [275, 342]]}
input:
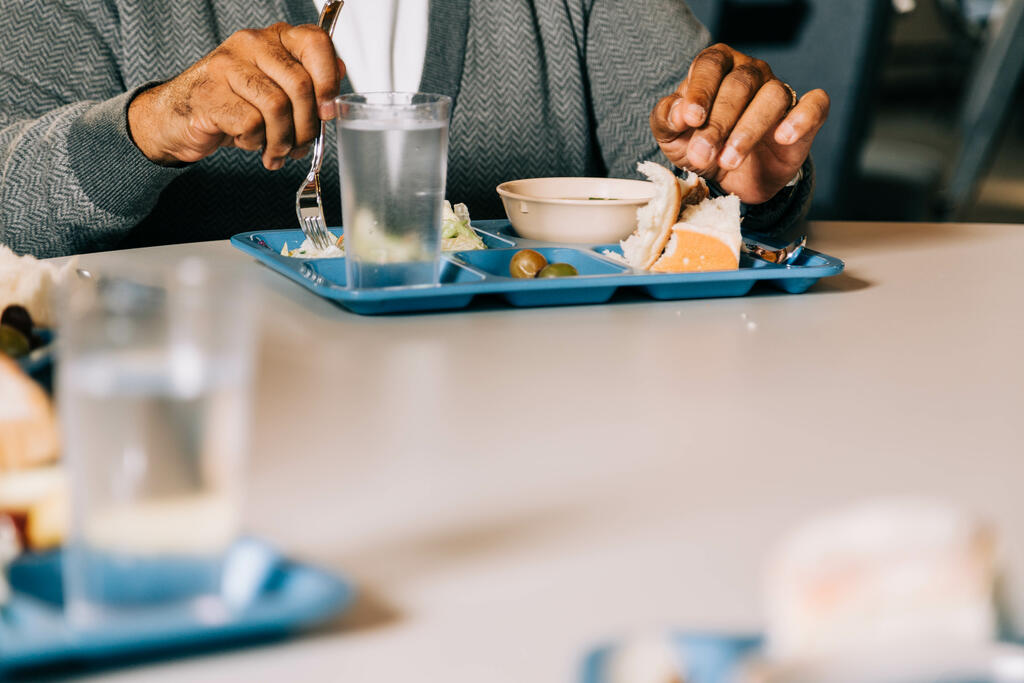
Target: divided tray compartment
{"points": [[466, 274], [579, 289]]}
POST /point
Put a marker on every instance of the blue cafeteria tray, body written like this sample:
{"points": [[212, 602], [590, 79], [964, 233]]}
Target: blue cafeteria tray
{"points": [[466, 274], [34, 633]]}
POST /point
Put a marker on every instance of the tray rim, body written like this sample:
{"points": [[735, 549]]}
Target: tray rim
{"points": [[303, 271]]}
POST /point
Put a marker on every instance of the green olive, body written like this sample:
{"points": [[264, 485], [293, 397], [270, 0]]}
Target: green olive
{"points": [[17, 317], [12, 341], [526, 264], [558, 270]]}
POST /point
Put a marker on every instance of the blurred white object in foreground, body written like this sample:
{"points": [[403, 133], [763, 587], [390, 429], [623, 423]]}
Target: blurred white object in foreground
{"points": [[645, 659], [184, 524], [27, 281], [9, 549], [933, 663], [885, 591], [882, 574]]}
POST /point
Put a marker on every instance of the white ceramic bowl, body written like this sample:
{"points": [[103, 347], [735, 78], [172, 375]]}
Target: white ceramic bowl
{"points": [[577, 210]]}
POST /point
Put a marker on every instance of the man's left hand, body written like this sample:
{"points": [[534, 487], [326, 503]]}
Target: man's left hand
{"points": [[733, 122]]}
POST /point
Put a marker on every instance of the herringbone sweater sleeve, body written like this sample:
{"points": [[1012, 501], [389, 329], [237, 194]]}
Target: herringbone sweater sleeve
{"points": [[636, 53], [70, 176]]}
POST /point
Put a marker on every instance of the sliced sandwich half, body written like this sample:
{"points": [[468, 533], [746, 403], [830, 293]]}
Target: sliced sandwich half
{"points": [[654, 220], [707, 237]]}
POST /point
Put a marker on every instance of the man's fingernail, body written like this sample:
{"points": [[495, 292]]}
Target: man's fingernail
{"points": [[326, 110], [275, 164], [787, 133], [700, 152], [675, 116], [731, 158], [695, 114]]}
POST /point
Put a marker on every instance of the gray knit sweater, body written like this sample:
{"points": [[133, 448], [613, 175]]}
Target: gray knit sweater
{"points": [[541, 88]]}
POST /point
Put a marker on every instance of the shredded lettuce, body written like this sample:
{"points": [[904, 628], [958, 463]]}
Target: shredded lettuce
{"points": [[308, 250], [456, 233]]}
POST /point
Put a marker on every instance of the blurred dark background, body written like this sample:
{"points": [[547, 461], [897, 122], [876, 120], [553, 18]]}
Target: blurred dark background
{"points": [[927, 120]]}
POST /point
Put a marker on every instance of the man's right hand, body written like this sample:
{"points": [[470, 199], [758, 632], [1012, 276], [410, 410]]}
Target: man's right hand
{"points": [[260, 89]]}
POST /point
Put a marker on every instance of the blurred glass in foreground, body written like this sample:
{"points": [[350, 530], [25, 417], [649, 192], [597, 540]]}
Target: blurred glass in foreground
{"points": [[154, 371]]}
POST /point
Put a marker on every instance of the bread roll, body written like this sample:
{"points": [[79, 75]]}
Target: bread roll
{"points": [[654, 220], [695, 189], [46, 525], [40, 497], [707, 237], [28, 426]]}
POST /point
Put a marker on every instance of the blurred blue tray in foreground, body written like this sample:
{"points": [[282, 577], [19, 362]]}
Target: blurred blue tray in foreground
{"points": [[285, 597], [703, 657], [695, 658], [466, 274]]}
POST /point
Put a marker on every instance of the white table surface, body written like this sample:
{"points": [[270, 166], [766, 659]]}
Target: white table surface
{"points": [[509, 487]]}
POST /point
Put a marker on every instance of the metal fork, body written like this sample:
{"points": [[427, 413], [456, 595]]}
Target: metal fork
{"points": [[308, 206]]}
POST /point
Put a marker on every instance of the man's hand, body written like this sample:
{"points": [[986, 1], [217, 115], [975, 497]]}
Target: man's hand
{"points": [[260, 89], [733, 121]]}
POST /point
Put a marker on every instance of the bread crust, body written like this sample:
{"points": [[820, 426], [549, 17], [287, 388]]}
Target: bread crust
{"points": [[40, 499], [655, 220], [695, 189], [695, 249], [707, 237]]}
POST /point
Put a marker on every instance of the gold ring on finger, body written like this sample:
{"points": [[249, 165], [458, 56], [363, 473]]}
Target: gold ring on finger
{"points": [[793, 99]]}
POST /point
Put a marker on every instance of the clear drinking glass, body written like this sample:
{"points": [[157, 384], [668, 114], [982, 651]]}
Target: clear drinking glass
{"points": [[154, 369], [393, 156]]}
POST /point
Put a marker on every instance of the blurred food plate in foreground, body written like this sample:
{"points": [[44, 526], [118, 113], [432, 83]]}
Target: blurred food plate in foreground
{"points": [[275, 598], [899, 590]]}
